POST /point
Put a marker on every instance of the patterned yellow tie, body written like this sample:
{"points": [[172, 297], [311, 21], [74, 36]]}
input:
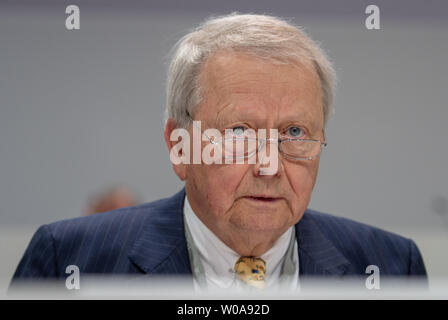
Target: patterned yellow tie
{"points": [[251, 271]]}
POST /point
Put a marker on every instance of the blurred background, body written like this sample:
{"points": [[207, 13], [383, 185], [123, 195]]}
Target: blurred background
{"points": [[82, 110]]}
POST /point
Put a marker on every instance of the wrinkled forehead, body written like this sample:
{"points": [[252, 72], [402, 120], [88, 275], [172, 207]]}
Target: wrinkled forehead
{"points": [[241, 87]]}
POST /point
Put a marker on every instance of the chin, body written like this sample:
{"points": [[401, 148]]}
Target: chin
{"points": [[260, 222]]}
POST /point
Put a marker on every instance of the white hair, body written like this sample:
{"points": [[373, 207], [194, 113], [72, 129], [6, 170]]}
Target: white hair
{"points": [[263, 36]]}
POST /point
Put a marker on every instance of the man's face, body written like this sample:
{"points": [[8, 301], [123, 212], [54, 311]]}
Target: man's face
{"points": [[241, 91]]}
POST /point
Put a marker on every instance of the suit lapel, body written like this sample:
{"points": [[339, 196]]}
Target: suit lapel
{"points": [[317, 254], [161, 247]]}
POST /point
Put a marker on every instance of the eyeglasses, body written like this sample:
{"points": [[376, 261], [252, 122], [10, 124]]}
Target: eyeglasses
{"points": [[245, 147]]}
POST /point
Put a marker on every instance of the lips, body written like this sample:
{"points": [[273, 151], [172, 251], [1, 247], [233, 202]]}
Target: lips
{"points": [[262, 198]]}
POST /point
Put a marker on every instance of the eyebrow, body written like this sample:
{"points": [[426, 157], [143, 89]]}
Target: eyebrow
{"points": [[238, 117]]}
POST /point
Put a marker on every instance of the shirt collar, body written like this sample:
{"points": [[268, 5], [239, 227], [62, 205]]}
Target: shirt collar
{"points": [[218, 268]]}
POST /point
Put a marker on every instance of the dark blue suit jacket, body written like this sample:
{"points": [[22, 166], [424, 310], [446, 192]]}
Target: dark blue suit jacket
{"points": [[150, 239]]}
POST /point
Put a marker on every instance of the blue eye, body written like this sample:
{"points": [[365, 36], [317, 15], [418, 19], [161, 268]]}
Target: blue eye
{"points": [[295, 132], [238, 131]]}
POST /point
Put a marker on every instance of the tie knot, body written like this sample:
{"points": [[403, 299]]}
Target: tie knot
{"points": [[252, 271]]}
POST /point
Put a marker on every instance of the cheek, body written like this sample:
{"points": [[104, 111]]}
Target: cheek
{"points": [[219, 184], [302, 178]]}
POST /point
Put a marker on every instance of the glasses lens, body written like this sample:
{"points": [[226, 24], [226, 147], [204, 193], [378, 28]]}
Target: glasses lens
{"points": [[239, 147], [301, 148], [246, 147]]}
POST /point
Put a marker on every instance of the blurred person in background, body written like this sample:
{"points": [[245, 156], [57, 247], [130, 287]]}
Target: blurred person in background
{"points": [[112, 198]]}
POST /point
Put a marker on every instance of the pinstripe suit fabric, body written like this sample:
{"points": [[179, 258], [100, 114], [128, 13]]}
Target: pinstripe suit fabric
{"points": [[149, 239]]}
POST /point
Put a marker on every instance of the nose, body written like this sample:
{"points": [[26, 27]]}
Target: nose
{"points": [[268, 165]]}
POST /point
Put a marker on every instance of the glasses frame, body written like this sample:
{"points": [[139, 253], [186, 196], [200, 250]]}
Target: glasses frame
{"points": [[263, 141]]}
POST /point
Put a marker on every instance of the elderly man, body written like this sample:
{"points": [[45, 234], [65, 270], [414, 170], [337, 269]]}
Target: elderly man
{"points": [[240, 221]]}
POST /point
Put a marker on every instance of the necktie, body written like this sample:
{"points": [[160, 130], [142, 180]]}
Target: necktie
{"points": [[251, 271]]}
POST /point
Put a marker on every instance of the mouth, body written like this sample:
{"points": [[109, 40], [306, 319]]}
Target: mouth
{"points": [[263, 199]]}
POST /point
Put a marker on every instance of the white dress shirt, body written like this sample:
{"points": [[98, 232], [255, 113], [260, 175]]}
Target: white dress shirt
{"points": [[218, 260]]}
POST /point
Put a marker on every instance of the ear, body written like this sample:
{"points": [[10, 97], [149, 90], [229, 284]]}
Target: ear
{"points": [[181, 168]]}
